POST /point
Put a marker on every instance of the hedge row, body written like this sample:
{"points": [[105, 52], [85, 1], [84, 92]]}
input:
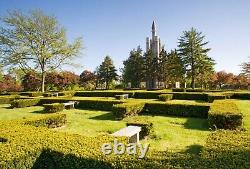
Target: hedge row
{"points": [[121, 111], [190, 96], [224, 114], [186, 110], [49, 121], [25, 146], [217, 96], [165, 97], [24, 103], [146, 128], [243, 95], [31, 94], [8, 99], [103, 93], [53, 108]]}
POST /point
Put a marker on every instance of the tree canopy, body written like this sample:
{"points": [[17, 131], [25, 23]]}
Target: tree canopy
{"points": [[36, 42]]}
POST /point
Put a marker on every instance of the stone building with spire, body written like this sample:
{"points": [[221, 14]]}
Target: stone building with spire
{"points": [[153, 44]]}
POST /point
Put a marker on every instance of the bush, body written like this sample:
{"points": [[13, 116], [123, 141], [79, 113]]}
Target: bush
{"points": [[8, 99], [53, 108], [31, 94], [67, 93], [224, 114], [121, 111], [178, 90], [190, 96], [147, 95], [243, 95], [146, 128], [186, 110], [227, 149], [165, 97], [217, 96], [49, 121], [187, 90], [24, 103], [103, 93]]}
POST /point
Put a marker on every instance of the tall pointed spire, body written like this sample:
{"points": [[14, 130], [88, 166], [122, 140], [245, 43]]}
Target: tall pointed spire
{"points": [[153, 26]]}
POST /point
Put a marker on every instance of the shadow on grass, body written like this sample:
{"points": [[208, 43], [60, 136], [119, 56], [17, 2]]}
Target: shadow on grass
{"points": [[40, 112], [196, 124], [106, 116], [194, 149]]}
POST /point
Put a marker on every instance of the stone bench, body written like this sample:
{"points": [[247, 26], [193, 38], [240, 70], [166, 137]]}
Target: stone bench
{"points": [[131, 132], [70, 104], [121, 96]]}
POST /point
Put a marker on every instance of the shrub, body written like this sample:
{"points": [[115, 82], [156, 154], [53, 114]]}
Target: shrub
{"points": [[224, 114], [121, 111], [227, 149], [8, 99], [103, 93], [178, 90], [147, 95], [47, 94], [53, 108], [67, 93], [165, 97], [186, 110], [31, 94], [49, 121], [146, 128], [217, 96], [24, 103], [190, 96], [243, 95]]}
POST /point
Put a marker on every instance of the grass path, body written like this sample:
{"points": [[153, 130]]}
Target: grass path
{"points": [[244, 106]]}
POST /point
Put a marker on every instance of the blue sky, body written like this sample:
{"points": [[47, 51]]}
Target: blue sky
{"points": [[114, 27]]}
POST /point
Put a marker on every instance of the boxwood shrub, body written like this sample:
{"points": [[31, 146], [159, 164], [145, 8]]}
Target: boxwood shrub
{"points": [[103, 93], [215, 96], [186, 110], [243, 95], [224, 114], [31, 94], [146, 127], [49, 121], [190, 96], [165, 97], [24, 103], [53, 108], [121, 111]]}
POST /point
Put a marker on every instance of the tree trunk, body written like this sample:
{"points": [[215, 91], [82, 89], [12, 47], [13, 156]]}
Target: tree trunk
{"points": [[43, 82]]}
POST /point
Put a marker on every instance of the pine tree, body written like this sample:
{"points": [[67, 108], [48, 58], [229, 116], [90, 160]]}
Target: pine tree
{"points": [[106, 72], [133, 71], [193, 52]]}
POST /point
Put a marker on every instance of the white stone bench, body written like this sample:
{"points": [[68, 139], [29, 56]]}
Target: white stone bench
{"points": [[70, 104], [131, 132], [121, 96]]}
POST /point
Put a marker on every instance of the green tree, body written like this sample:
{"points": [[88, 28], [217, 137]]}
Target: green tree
{"points": [[246, 68], [35, 41], [133, 71], [193, 52], [151, 68], [106, 72], [171, 67]]}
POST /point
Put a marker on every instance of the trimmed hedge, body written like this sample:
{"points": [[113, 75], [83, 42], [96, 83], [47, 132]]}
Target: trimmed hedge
{"points": [[147, 95], [146, 128], [190, 96], [165, 97], [227, 149], [121, 111], [49, 121], [186, 110], [8, 99], [67, 93], [217, 96], [24, 103], [103, 93], [187, 90], [53, 108], [31, 94], [224, 114], [243, 95]]}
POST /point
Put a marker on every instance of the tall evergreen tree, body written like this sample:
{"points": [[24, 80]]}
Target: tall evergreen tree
{"points": [[106, 72], [194, 53], [133, 71], [246, 68]]}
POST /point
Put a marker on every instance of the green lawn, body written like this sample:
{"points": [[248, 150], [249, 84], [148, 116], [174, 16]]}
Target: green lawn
{"points": [[171, 133]]}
